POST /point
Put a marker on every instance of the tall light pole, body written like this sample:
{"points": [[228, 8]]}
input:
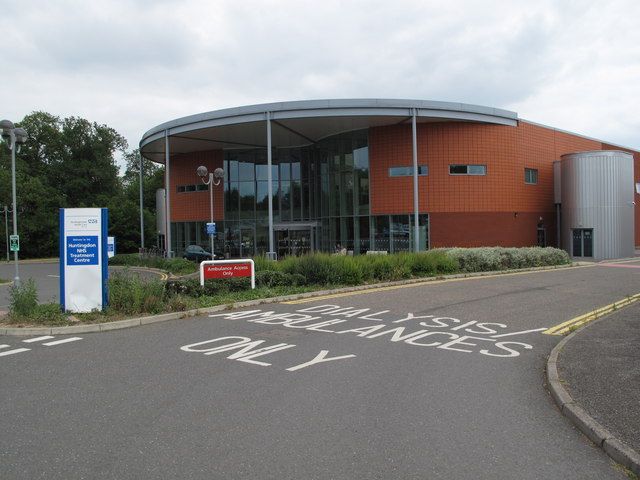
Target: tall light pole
{"points": [[217, 174], [14, 137], [6, 228]]}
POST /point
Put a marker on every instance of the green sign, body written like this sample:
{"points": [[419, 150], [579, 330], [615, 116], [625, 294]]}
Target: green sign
{"points": [[14, 241]]}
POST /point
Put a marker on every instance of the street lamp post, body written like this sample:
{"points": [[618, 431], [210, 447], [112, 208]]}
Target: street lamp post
{"points": [[6, 228], [217, 174], [14, 137]]}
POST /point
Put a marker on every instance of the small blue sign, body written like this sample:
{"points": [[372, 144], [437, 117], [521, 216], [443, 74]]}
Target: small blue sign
{"points": [[82, 250], [211, 228]]}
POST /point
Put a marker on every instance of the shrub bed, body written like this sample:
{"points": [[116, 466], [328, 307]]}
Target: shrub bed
{"points": [[131, 295], [499, 258], [24, 307], [176, 266]]}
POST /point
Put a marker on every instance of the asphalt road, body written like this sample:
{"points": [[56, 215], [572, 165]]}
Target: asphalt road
{"points": [[458, 393], [47, 278]]}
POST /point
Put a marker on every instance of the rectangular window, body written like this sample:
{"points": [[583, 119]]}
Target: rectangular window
{"points": [[467, 169], [530, 176], [408, 171], [200, 187]]}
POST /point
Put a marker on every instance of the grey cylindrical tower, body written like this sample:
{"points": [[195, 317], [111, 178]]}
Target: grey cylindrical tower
{"points": [[597, 204]]}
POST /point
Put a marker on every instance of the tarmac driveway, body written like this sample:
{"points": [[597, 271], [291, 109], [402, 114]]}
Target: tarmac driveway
{"points": [[432, 381]]}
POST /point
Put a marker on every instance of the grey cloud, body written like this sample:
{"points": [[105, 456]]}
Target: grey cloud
{"points": [[137, 64]]}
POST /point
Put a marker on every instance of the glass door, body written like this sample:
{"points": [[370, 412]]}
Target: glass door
{"points": [[294, 242], [247, 243], [582, 239]]}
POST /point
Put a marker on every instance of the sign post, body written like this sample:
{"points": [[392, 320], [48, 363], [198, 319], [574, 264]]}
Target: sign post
{"points": [[111, 246], [211, 231], [15, 243], [243, 267], [83, 259]]}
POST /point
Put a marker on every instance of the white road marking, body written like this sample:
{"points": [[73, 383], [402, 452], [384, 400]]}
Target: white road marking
{"points": [[54, 276], [11, 352], [4, 346], [321, 357], [37, 339], [403, 335], [58, 342]]}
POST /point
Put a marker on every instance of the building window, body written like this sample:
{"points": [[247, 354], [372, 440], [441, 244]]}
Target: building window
{"points": [[467, 169], [530, 176], [408, 171], [200, 187]]}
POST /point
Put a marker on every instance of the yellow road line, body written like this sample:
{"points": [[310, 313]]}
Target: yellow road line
{"points": [[630, 260], [564, 327], [421, 284]]}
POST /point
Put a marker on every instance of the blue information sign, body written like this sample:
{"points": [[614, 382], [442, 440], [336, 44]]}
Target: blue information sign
{"points": [[83, 259], [82, 250], [211, 228]]}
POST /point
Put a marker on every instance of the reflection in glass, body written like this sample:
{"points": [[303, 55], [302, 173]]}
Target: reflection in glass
{"points": [[326, 184], [247, 199], [285, 201]]}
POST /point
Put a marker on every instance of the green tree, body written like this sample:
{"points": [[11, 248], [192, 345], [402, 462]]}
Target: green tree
{"points": [[152, 180], [68, 162]]}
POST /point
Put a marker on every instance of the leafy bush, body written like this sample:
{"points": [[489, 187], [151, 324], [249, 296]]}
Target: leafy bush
{"points": [[23, 299], [176, 266], [24, 307], [346, 270], [424, 264], [272, 278], [316, 268], [499, 258], [191, 287], [48, 314], [128, 294], [263, 264]]}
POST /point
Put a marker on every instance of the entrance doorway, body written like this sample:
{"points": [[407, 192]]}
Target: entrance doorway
{"points": [[582, 242], [542, 237], [294, 240], [247, 244]]}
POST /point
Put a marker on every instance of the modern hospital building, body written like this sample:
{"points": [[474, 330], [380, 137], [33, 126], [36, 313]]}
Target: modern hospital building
{"points": [[324, 174]]}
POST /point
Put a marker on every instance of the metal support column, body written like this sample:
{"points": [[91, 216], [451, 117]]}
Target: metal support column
{"points": [[167, 190], [558, 226], [271, 254], [416, 227], [141, 205]]}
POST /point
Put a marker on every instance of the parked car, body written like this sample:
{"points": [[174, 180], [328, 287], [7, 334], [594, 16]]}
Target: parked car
{"points": [[198, 254]]}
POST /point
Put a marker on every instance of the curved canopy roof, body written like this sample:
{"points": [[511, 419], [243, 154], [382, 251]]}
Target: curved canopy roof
{"points": [[303, 123]]}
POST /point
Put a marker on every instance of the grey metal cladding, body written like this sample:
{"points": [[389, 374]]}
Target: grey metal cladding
{"points": [[598, 193], [333, 108]]}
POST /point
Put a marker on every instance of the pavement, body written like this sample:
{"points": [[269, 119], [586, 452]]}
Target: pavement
{"points": [[425, 381], [599, 368]]}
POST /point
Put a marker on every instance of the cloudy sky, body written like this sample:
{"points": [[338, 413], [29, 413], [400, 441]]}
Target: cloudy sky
{"points": [[571, 64]]}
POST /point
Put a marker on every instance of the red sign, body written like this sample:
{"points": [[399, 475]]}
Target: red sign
{"points": [[228, 270]]}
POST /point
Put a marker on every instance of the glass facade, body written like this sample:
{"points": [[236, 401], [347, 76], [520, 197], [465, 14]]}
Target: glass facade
{"points": [[320, 196]]}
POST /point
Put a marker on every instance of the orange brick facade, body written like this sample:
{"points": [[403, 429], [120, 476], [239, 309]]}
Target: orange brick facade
{"points": [[194, 206], [498, 208]]}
